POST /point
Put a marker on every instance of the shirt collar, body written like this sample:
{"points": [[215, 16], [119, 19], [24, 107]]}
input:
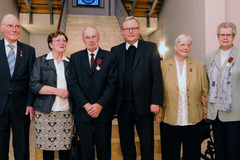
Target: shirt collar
{"points": [[95, 52], [50, 56], [128, 45], [6, 43]]}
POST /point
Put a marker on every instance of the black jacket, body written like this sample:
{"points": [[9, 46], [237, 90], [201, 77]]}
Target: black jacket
{"points": [[44, 73], [146, 76], [18, 84]]}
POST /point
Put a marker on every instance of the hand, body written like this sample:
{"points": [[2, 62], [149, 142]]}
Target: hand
{"points": [[203, 100], [95, 110], [158, 119], [62, 93], [154, 108], [88, 107], [204, 116], [30, 111]]}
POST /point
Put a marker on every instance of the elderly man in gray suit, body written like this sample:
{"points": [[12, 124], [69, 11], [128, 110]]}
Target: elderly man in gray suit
{"points": [[222, 67]]}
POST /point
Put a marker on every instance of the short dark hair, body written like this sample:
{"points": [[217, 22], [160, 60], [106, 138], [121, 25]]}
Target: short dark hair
{"points": [[54, 35]]}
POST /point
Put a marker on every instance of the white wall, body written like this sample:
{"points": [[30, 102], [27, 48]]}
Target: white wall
{"points": [[10, 7], [178, 17], [197, 18], [39, 42]]}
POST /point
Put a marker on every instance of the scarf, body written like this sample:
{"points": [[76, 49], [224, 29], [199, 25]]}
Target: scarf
{"points": [[225, 90]]}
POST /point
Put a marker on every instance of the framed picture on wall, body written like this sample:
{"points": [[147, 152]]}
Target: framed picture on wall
{"points": [[96, 3]]}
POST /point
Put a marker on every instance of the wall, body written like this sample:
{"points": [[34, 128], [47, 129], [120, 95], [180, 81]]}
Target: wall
{"points": [[39, 42], [197, 18], [181, 16], [107, 9], [10, 7]]}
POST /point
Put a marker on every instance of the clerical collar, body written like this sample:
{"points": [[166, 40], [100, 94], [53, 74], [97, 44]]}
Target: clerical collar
{"points": [[128, 45]]}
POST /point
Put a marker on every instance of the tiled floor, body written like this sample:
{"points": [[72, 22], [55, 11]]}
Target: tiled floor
{"points": [[38, 154]]}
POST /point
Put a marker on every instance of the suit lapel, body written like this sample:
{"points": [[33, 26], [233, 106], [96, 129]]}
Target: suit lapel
{"points": [[232, 54], [3, 57], [189, 70], [138, 53], [51, 64], [100, 55], [85, 61], [216, 59], [121, 57], [173, 71], [66, 64], [20, 57]]}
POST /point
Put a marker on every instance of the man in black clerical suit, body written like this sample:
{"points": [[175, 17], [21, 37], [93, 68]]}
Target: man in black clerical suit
{"points": [[16, 99], [92, 84], [140, 91]]}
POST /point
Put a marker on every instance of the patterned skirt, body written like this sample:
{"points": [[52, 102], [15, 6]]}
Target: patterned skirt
{"points": [[53, 130]]}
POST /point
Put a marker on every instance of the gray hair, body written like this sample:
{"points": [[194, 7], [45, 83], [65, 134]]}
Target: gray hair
{"points": [[227, 25], [184, 37], [130, 18]]}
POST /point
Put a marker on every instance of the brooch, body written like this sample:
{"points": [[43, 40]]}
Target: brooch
{"points": [[99, 62], [230, 59]]}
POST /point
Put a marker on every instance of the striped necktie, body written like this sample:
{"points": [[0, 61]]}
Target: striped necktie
{"points": [[11, 59]]}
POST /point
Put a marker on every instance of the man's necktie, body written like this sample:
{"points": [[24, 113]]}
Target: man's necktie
{"points": [[11, 59], [92, 59]]}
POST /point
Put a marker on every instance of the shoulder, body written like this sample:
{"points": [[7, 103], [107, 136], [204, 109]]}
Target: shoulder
{"points": [[194, 61], [211, 54], [78, 53], [26, 46], [107, 53], [118, 46], [147, 43], [167, 62], [41, 58]]}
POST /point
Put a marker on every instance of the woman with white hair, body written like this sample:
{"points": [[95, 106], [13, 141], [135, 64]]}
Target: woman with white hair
{"points": [[185, 86], [222, 66]]}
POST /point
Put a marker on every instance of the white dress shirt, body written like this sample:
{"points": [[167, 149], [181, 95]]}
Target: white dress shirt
{"points": [[89, 55], [60, 104], [182, 117], [7, 48]]}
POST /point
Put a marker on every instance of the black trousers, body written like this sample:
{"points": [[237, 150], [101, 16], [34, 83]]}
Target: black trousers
{"points": [[172, 137], [226, 139], [20, 129], [127, 119], [94, 133], [63, 155]]}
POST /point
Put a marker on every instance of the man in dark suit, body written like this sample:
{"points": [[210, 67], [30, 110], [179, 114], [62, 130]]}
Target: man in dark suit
{"points": [[92, 84], [140, 91], [16, 99]]}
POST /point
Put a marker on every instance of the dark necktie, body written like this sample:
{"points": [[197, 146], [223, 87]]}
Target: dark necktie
{"points": [[11, 59], [92, 59]]}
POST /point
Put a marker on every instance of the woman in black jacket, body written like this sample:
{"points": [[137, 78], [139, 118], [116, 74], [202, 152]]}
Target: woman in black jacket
{"points": [[53, 118]]}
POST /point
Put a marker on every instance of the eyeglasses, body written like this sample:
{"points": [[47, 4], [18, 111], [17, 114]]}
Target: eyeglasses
{"points": [[227, 35], [10, 26], [58, 40], [134, 29], [183, 45]]}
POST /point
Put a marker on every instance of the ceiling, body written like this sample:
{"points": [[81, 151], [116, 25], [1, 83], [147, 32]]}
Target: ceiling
{"points": [[40, 6], [141, 8], [138, 8]]}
